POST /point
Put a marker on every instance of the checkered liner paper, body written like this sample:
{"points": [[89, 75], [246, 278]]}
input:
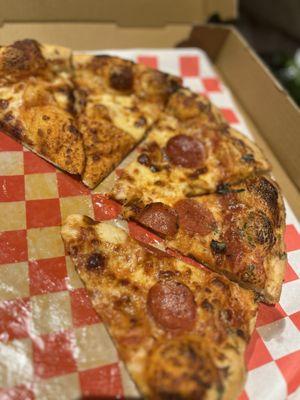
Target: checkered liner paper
{"points": [[52, 343]]}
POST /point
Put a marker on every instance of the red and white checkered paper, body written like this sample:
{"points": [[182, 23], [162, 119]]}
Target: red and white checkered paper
{"points": [[52, 344]]}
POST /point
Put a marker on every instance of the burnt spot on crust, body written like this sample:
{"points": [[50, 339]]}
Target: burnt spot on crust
{"points": [[259, 229], [181, 368], [174, 85], [17, 132], [140, 122], [89, 221], [14, 128], [96, 156], [241, 334], [267, 192], [100, 61], [217, 247], [151, 156], [206, 305], [248, 158], [154, 168], [249, 274], [225, 188], [224, 128], [69, 94], [74, 130], [144, 159], [121, 78], [8, 117], [254, 274], [23, 56], [95, 261]]}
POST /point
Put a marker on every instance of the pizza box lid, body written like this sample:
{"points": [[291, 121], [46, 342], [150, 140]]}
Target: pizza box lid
{"points": [[129, 13], [94, 24]]}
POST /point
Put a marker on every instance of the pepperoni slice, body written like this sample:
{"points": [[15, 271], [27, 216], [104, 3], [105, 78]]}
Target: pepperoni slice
{"points": [[159, 217], [195, 217], [172, 305], [185, 151]]}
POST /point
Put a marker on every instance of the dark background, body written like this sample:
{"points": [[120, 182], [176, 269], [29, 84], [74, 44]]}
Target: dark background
{"points": [[272, 27]]}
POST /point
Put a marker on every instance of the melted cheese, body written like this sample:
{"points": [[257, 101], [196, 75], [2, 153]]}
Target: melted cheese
{"points": [[124, 113], [110, 233]]}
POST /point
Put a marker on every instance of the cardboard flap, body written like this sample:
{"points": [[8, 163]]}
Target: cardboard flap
{"points": [[124, 13], [268, 104]]}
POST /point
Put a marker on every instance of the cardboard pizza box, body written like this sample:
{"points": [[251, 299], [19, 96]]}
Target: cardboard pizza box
{"points": [[93, 24]]}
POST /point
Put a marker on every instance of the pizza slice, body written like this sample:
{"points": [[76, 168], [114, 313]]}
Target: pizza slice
{"points": [[116, 101], [105, 144], [36, 102], [180, 329], [238, 232], [187, 158]]}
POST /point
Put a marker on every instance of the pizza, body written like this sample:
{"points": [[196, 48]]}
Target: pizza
{"points": [[180, 329], [116, 101], [185, 158], [36, 102], [180, 325], [238, 232]]}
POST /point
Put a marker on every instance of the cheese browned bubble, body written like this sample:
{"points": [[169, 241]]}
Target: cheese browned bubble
{"points": [[181, 330]]}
